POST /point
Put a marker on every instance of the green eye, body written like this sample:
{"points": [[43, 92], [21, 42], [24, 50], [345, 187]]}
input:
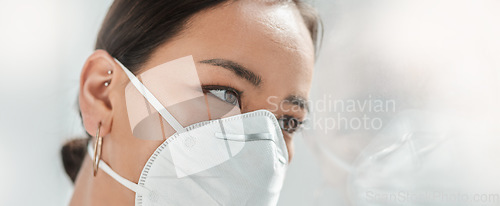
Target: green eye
{"points": [[231, 97], [226, 95], [290, 124]]}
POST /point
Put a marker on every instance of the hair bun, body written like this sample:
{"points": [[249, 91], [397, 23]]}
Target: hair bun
{"points": [[73, 152]]}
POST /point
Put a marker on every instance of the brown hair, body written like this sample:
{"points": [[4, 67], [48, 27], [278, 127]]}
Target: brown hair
{"points": [[132, 30]]}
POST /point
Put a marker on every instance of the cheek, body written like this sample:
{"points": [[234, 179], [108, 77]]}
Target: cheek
{"points": [[289, 146], [121, 124]]}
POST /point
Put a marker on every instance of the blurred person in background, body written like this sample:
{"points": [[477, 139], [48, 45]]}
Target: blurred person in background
{"points": [[406, 100]]}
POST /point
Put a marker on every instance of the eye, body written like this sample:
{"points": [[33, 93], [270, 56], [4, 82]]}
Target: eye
{"points": [[290, 124], [225, 94]]}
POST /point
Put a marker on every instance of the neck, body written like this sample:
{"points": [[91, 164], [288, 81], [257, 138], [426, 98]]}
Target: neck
{"points": [[99, 190]]}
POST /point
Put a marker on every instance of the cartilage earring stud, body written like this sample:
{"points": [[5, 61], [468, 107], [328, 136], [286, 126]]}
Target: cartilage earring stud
{"points": [[108, 82]]}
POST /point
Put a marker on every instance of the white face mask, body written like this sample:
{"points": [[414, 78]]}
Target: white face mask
{"points": [[237, 160]]}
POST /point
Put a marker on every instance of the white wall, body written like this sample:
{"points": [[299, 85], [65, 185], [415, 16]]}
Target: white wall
{"points": [[43, 47]]}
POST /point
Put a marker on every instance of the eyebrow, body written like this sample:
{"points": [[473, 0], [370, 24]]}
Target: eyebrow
{"points": [[298, 100], [237, 69]]}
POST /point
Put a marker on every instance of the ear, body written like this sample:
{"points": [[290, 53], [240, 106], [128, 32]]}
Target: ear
{"points": [[94, 100]]}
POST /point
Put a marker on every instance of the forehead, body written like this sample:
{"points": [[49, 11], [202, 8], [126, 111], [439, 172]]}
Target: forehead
{"points": [[270, 39]]}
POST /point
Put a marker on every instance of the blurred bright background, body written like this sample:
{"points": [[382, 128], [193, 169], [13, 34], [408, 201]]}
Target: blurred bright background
{"points": [[438, 60]]}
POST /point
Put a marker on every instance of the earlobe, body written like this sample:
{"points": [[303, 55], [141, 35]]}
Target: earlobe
{"points": [[95, 86]]}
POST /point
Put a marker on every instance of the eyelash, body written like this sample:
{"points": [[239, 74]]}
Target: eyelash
{"points": [[283, 121]]}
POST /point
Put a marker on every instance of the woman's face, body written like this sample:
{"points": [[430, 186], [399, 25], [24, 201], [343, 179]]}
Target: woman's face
{"points": [[269, 40]]}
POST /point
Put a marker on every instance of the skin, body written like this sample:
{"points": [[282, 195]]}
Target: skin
{"points": [[270, 40]]}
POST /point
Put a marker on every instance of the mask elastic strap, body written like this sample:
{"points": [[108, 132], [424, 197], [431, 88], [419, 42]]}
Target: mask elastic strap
{"points": [[152, 99], [127, 183]]}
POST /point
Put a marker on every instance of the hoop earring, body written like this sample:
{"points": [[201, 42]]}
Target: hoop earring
{"points": [[97, 149]]}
